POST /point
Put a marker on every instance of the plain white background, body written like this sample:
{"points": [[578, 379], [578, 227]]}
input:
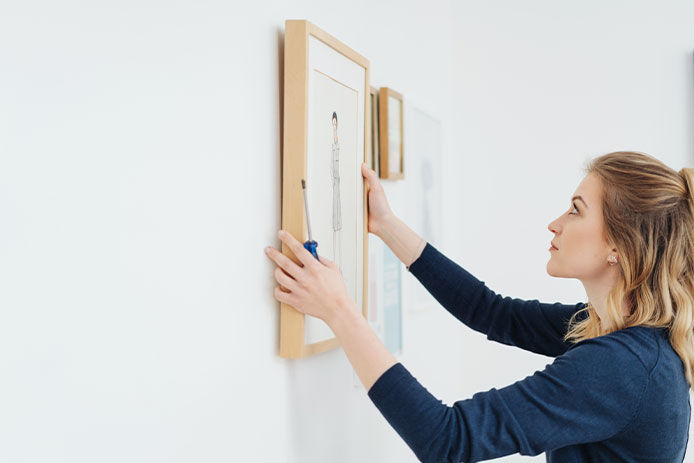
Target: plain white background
{"points": [[140, 181]]}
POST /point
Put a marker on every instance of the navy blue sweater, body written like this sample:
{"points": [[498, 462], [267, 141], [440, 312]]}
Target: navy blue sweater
{"points": [[621, 397]]}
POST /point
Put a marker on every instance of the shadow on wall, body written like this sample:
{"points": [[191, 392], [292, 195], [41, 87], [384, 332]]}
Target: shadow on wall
{"points": [[278, 168]]}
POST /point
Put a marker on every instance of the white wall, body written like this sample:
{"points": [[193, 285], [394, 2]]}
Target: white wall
{"points": [[140, 181]]}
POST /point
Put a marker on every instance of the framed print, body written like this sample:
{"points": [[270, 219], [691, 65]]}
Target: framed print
{"points": [[424, 191], [386, 298], [390, 110], [327, 136], [375, 159], [392, 301], [375, 312], [375, 309], [385, 295]]}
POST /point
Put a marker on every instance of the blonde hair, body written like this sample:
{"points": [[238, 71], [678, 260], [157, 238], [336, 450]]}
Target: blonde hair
{"points": [[648, 210]]}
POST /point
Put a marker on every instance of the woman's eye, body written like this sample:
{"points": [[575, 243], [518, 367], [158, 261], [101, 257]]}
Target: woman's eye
{"points": [[575, 208]]}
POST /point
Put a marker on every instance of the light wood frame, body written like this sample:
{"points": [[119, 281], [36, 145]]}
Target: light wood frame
{"points": [[375, 139], [387, 158], [295, 149]]}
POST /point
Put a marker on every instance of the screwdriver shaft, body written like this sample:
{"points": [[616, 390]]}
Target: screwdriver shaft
{"points": [[308, 220]]}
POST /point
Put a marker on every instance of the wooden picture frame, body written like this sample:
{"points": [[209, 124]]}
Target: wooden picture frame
{"points": [[390, 109], [320, 71], [375, 139]]}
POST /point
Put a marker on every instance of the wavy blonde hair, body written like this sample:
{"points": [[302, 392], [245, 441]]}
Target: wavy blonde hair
{"points": [[648, 211]]}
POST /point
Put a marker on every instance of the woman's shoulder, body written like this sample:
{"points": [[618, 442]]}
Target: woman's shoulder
{"points": [[639, 343]]}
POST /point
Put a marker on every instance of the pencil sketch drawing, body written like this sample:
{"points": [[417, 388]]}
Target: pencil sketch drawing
{"points": [[337, 210]]}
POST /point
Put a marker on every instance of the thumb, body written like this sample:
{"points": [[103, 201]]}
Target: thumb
{"points": [[369, 174]]}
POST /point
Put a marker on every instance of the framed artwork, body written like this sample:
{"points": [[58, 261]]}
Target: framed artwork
{"points": [[385, 313], [375, 159], [390, 110], [375, 310], [424, 192], [327, 136], [392, 301]]}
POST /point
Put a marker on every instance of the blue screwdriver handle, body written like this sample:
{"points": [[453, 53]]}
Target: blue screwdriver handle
{"points": [[311, 247]]}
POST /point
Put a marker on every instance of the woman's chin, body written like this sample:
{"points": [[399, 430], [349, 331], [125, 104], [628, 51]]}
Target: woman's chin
{"points": [[557, 274], [551, 271]]}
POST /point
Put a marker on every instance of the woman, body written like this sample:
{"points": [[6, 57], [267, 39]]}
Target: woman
{"points": [[618, 388]]}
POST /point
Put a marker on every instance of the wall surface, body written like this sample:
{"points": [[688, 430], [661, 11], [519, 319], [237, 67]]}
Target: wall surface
{"points": [[140, 181]]}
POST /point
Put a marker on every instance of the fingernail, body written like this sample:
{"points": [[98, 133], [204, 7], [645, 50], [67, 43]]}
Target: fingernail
{"points": [[281, 233]]}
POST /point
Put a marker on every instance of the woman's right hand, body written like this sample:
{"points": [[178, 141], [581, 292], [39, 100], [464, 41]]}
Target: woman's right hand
{"points": [[379, 210]]}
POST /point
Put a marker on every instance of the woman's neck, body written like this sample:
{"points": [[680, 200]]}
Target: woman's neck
{"points": [[597, 292]]}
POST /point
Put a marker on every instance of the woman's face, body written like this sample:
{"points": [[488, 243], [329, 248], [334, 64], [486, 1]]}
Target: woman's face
{"points": [[579, 235]]}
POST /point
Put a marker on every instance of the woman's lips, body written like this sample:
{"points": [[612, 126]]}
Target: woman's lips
{"points": [[552, 248]]}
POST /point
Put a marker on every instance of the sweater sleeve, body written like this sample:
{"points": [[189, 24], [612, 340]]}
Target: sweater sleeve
{"points": [[588, 394], [531, 325]]}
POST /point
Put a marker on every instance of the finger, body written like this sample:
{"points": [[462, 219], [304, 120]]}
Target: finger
{"points": [[324, 260], [283, 296], [366, 169], [367, 172], [284, 262], [371, 177], [285, 280], [297, 248]]}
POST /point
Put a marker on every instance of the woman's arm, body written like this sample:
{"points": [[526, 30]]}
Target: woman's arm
{"points": [[528, 324], [589, 394], [402, 240], [531, 325], [365, 351]]}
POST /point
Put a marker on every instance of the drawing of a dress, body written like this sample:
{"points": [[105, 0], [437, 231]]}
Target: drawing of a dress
{"points": [[337, 209], [337, 213]]}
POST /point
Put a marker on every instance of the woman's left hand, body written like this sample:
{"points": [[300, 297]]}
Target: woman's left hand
{"points": [[314, 288]]}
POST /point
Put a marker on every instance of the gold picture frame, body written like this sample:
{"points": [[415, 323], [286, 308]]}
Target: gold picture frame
{"points": [[308, 52], [391, 154]]}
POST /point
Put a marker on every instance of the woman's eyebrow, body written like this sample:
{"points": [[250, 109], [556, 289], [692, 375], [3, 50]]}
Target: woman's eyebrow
{"points": [[579, 197]]}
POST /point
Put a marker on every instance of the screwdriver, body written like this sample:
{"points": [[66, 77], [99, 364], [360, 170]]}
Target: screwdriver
{"points": [[310, 245]]}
